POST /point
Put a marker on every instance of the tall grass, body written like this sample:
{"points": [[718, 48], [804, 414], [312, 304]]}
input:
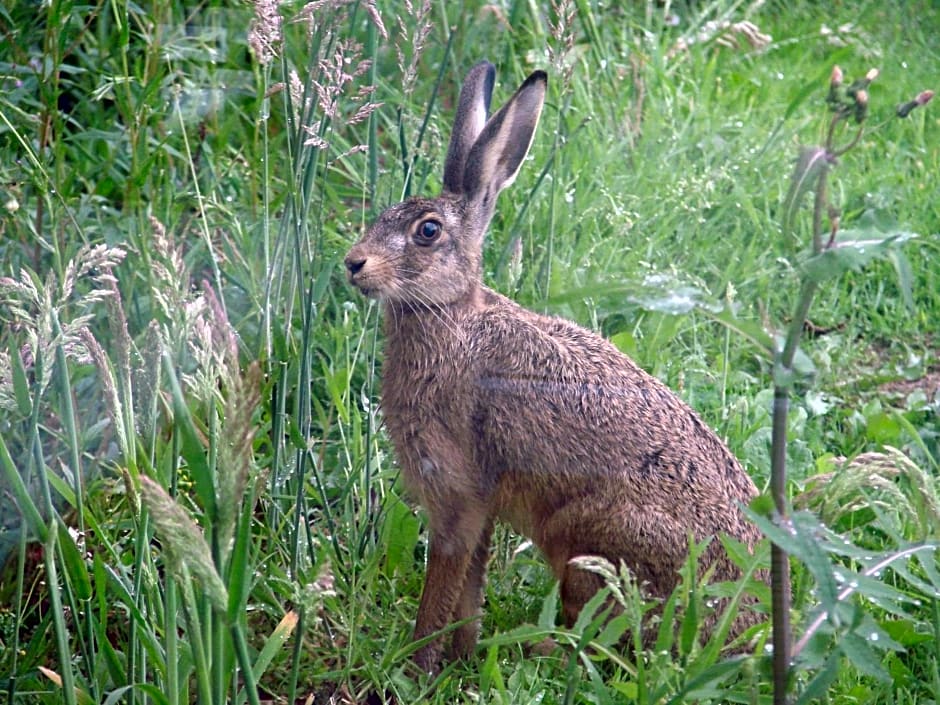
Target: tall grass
{"points": [[190, 438]]}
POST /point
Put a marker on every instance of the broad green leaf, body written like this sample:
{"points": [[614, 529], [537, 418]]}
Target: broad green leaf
{"points": [[659, 293], [490, 676], [240, 575], [599, 688], [852, 251], [525, 633], [400, 530]]}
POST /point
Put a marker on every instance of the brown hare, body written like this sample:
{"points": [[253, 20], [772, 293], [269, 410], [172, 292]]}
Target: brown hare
{"points": [[499, 413]]}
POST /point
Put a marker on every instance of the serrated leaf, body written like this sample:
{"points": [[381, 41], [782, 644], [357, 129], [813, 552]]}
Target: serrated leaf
{"points": [[808, 529], [800, 539], [863, 656], [853, 250], [819, 686]]}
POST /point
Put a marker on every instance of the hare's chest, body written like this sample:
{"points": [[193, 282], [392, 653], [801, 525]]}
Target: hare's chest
{"points": [[425, 411]]}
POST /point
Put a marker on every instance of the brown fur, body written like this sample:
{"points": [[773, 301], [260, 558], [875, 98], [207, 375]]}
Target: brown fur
{"points": [[499, 413]]}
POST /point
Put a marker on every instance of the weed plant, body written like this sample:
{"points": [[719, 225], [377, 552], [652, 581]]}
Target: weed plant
{"points": [[197, 501]]}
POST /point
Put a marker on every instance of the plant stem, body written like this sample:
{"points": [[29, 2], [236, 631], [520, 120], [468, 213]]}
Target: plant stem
{"points": [[779, 562]]}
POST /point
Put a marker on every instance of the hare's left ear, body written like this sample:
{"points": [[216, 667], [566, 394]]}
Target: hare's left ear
{"points": [[473, 108], [498, 152]]}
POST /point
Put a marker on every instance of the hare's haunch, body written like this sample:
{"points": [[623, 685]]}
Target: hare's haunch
{"points": [[499, 413]]}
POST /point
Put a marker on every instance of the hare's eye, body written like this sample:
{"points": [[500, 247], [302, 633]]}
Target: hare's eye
{"points": [[427, 232]]}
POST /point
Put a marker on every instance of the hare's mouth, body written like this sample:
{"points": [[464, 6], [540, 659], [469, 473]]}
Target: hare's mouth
{"points": [[367, 287]]}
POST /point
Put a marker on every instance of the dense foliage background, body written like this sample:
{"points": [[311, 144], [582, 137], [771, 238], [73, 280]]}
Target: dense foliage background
{"points": [[196, 497]]}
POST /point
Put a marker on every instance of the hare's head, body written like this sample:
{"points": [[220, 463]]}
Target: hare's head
{"points": [[426, 251]]}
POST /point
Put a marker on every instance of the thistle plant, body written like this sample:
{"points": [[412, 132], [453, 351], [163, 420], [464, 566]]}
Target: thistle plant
{"points": [[833, 251]]}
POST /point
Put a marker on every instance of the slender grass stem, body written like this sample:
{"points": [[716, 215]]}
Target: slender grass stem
{"points": [[58, 616]]}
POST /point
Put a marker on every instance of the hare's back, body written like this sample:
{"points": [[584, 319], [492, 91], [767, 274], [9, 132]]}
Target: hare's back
{"points": [[555, 402]]}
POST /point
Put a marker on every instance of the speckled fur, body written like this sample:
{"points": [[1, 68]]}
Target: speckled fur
{"points": [[499, 413]]}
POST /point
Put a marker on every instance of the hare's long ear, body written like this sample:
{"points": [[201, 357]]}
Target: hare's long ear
{"points": [[496, 156], [472, 110]]}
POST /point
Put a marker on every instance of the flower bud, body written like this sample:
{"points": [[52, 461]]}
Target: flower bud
{"points": [[861, 105], [871, 75], [836, 78], [904, 109]]}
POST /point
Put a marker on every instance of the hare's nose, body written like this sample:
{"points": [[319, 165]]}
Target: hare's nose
{"points": [[354, 263]]}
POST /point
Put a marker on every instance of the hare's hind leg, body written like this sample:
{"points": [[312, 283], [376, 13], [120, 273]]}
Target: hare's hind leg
{"points": [[577, 587], [470, 602], [453, 549]]}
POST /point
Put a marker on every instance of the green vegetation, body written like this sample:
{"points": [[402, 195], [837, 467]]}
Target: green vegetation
{"points": [[196, 497]]}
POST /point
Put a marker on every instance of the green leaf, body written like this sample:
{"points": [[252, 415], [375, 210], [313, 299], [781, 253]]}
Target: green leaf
{"points": [[400, 532], [600, 691], [706, 684], [666, 636], [274, 643], [153, 693], [819, 686], [192, 448], [240, 572], [20, 382], [810, 165], [902, 267], [688, 631], [549, 611], [863, 656], [852, 251], [490, 675], [74, 565], [23, 500], [801, 539], [749, 330]]}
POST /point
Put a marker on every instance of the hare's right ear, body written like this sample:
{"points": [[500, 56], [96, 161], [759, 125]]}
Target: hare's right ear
{"points": [[473, 108], [498, 152]]}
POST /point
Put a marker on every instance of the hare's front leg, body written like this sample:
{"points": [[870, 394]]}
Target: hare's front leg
{"points": [[453, 549], [470, 603]]}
